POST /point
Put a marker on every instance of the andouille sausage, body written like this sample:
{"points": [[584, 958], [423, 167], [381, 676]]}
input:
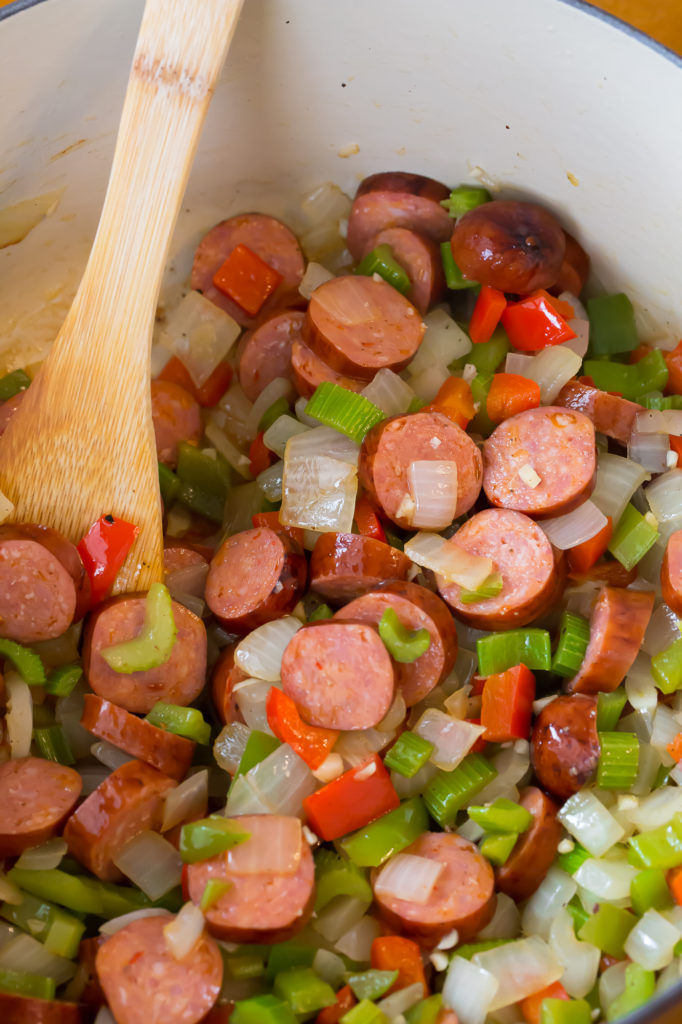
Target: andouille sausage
{"points": [[339, 674], [671, 573], [309, 371], [15, 1009], [267, 352], [37, 797], [558, 444], [255, 576], [532, 580], [390, 447], [346, 565], [180, 680], [416, 608], [463, 897], [420, 257], [145, 984], [574, 269], [612, 573], [226, 674], [127, 802], [514, 246], [357, 325], [617, 627], [269, 239], [261, 907], [171, 754], [611, 414], [564, 745], [397, 199], [535, 849], [177, 417], [8, 409], [177, 557]]}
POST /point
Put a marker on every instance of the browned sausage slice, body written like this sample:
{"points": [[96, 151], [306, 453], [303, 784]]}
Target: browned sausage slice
{"points": [[179, 681], [671, 573], [463, 897], [145, 984], [16, 1009], [420, 257], [62, 549], [574, 269], [611, 414], [267, 352], [522, 554], [127, 802], [226, 675], [171, 754], [346, 565], [37, 796], [565, 745], [339, 674], [535, 850], [254, 577], [242, 914], [558, 444], [177, 557], [617, 627], [177, 417], [390, 447], [310, 371], [358, 325], [417, 608], [397, 199], [265, 236]]}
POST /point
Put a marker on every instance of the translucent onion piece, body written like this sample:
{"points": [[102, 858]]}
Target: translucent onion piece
{"points": [[617, 480], [640, 688], [232, 412], [656, 809], [230, 745], [513, 768], [24, 953], [325, 203], [302, 415], [649, 764], [443, 342], [469, 990], [279, 387], [521, 968], [339, 916], [178, 521], [427, 383], [250, 696], [19, 715], [612, 983], [650, 451], [578, 308], [588, 821], [331, 768], [244, 799], [452, 738], [260, 653], [662, 630], [652, 941], [659, 421], [358, 745], [278, 433], [190, 580], [357, 942], [151, 863], [280, 783], [186, 801], [389, 392], [200, 334], [42, 858], [555, 891], [433, 487], [575, 527], [116, 923], [184, 931], [506, 921], [318, 493], [395, 714], [580, 343], [111, 756], [194, 604], [580, 960], [328, 966], [666, 728], [270, 481], [669, 976], [245, 499], [516, 362], [282, 856], [448, 560], [406, 877], [401, 1001], [9, 892], [405, 788], [229, 451], [608, 879], [326, 442], [551, 368], [315, 275], [665, 500]]}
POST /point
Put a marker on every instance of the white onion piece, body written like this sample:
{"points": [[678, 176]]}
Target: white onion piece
{"points": [[270, 481], [612, 983], [433, 487], [357, 942], [44, 857], [652, 941], [24, 953], [443, 342], [521, 968], [318, 493], [229, 451], [278, 433], [282, 855], [452, 738], [662, 630], [659, 421], [187, 801], [190, 580], [640, 688], [469, 990], [516, 362], [669, 976], [617, 480], [230, 745], [92, 776], [184, 931], [116, 923], [260, 653], [389, 392], [19, 715], [506, 921], [575, 527], [315, 275], [580, 343], [401, 1001], [650, 451], [513, 767], [151, 863], [9, 892], [656, 809], [607, 879], [555, 891], [178, 521], [195, 604], [279, 387], [328, 966], [407, 877], [243, 798], [357, 745], [649, 764], [331, 768], [232, 412], [666, 728], [395, 714], [580, 960], [301, 414], [111, 756], [322, 240], [588, 821], [573, 300], [200, 334], [325, 203], [339, 916], [427, 383], [405, 788], [551, 368], [665, 500], [250, 696], [282, 782], [448, 560]]}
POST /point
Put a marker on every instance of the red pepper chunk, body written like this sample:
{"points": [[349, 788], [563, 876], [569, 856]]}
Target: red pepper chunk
{"points": [[583, 556], [103, 551], [345, 1001], [357, 797], [260, 456], [531, 1006], [490, 305], [454, 400], [367, 521], [311, 742], [510, 394], [395, 953], [247, 279], [210, 392], [507, 705], [534, 324]]}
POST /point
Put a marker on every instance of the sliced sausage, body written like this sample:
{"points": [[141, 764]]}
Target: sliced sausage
{"points": [[226, 675], [420, 257], [671, 573], [309, 371], [346, 565], [416, 608], [8, 409], [575, 267], [612, 573], [390, 447], [177, 557], [531, 579], [260, 907], [15, 1009], [171, 754], [611, 414], [535, 849], [617, 627], [269, 239], [37, 797], [127, 802], [516, 247], [557, 444], [463, 897], [564, 745], [177, 417], [267, 352], [397, 199], [339, 674], [255, 576], [358, 325], [145, 984], [179, 680]]}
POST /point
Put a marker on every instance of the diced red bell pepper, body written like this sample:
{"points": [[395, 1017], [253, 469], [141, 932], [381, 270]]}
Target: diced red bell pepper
{"points": [[490, 305], [533, 324], [477, 684], [367, 521], [676, 446], [563, 308], [104, 549], [394, 953], [260, 457], [357, 797], [210, 392], [454, 400], [480, 744], [531, 1006], [345, 1001], [247, 279], [583, 556], [311, 742], [272, 522], [509, 394], [507, 705]]}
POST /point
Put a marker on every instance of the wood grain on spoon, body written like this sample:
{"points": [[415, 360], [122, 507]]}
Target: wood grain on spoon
{"points": [[82, 442]]}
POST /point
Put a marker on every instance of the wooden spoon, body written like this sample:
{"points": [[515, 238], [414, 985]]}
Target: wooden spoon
{"points": [[82, 442]]}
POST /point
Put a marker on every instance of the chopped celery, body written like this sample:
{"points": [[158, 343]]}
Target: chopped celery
{"points": [[454, 278], [486, 356], [402, 644], [349, 413], [448, 792], [364, 1012], [62, 681], [666, 667], [154, 645], [608, 929], [53, 744], [335, 876], [381, 261], [562, 1011], [23, 984], [570, 862], [267, 1009], [409, 753], [618, 760], [649, 891], [187, 722], [303, 990], [425, 1012], [574, 636], [73, 891], [26, 662], [497, 848], [659, 848], [323, 611], [465, 198], [501, 815], [499, 651], [609, 708], [469, 949], [639, 988], [258, 746], [371, 984], [633, 537]]}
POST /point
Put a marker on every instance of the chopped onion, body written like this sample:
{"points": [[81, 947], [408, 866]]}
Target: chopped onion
{"points": [[521, 968], [617, 480], [649, 764], [578, 308], [281, 856], [339, 916], [555, 891], [190, 580], [612, 983], [659, 421], [513, 767], [187, 801], [516, 362], [669, 976], [270, 481], [665, 501], [326, 202], [650, 451], [19, 715], [656, 809], [230, 745], [357, 745], [192, 603], [328, 966], [260, 652], [580, 960], [469, 990], [448, 560], [407, 877], [443, 342], [575, 527], [116, 923], [9, 892], [652, 941], [389, 392], [111, 756], [301, 414], [357, 942], [280, 784], [178, 521], [640, 688], [200, 334], [184, 931], [250, 696], [580, 343], [406, 788], [243, 798], [433, 487], [506, 921], [232, 412], [452, 738], [279, 387], [607, 879], [662, 630], [331, 768], [315, 275], [325, 442], [44, 857], [278, 433], [588, 821], [151, 863], [666, 728], [551, 368], [427, 383], [229, 451], [24, 953], [400, 1002], [318, 493], [395, 714]]}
